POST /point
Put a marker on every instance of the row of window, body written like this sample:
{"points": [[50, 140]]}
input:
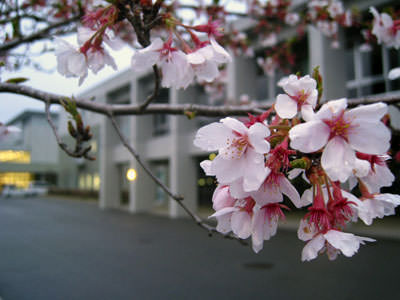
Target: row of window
{"points": [[88, 181]]}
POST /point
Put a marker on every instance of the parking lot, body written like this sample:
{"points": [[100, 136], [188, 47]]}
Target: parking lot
{"points": [[65, 249]]}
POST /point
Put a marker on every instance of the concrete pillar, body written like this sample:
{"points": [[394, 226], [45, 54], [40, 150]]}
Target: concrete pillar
{"points": [[182, 166], [142, 190], [331, 61]]}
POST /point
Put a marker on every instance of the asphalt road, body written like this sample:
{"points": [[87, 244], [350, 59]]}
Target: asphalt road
{"points": [[60, 249]]}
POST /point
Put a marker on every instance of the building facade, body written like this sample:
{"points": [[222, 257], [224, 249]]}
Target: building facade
{"points": [[30, 155]]}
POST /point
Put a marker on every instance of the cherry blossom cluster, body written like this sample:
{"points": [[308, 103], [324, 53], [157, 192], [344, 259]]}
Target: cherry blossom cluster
{"points": [[336, 149], [180, 61], [328, 16], [385, 29], [387, 32], [180, 67]]}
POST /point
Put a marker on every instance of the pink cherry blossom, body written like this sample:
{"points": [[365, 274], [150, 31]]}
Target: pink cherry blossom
{"points": [[335, 9], [270, 191], [269, 65], [342, 133], [240, 151], [301, 93], [334, 242], [205, 61], [265, 224], [73, 62], [223, 204], [328, 28], [372, 206], [236, 217], [385, 29], [174, 65], [70, 61], [292, 19], [373, 171]]}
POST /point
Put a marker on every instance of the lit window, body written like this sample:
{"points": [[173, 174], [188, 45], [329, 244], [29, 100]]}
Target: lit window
{"points": [[19, 179], [93, 144], [96, 182], [11, 156], [82, 182]]}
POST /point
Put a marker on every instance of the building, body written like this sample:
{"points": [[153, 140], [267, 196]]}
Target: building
{"points": [[165, 143], [30, 155]]}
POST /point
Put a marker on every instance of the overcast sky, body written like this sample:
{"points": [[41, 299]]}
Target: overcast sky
{"points": [[11, 105]]}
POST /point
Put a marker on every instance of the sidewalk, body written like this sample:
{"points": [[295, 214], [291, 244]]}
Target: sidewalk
{"points": [[72, 250]]}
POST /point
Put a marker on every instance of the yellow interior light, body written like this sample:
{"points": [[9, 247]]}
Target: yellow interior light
{"points": [[12, 156], [131, 174]]}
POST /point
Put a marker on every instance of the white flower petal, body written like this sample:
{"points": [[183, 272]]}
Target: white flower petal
{"points": [[331, 109], [224, 224], [290, 191], [234, 125], [241, 224], [228, 171], [310, 136], [207, 71], [394, 74], [255, 171], [257, 134], [257, 236], [285, 107], [267, 193], [369, 113], [220, 54], [347, 243], [206, 165], [305, 232], [370, 138], [213, 137], [338, 159], [311, 249], [224, 211]]}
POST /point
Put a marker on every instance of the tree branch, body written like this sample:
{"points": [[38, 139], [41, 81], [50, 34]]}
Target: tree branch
{"points": [[178, 109], [41, 34]]}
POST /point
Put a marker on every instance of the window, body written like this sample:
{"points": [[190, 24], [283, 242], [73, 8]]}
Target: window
{"points": [[161, 121], [19, 179], [12, 156], [367, 71], [121, 96]]}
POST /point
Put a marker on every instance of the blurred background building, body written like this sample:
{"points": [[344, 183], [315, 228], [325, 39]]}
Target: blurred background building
{"points": [[31, 155]]}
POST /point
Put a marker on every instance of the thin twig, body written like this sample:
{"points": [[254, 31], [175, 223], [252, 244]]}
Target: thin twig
{"points": [[79, 151], [41, 34], [178, 198], [156, 89], [23, 16]]}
